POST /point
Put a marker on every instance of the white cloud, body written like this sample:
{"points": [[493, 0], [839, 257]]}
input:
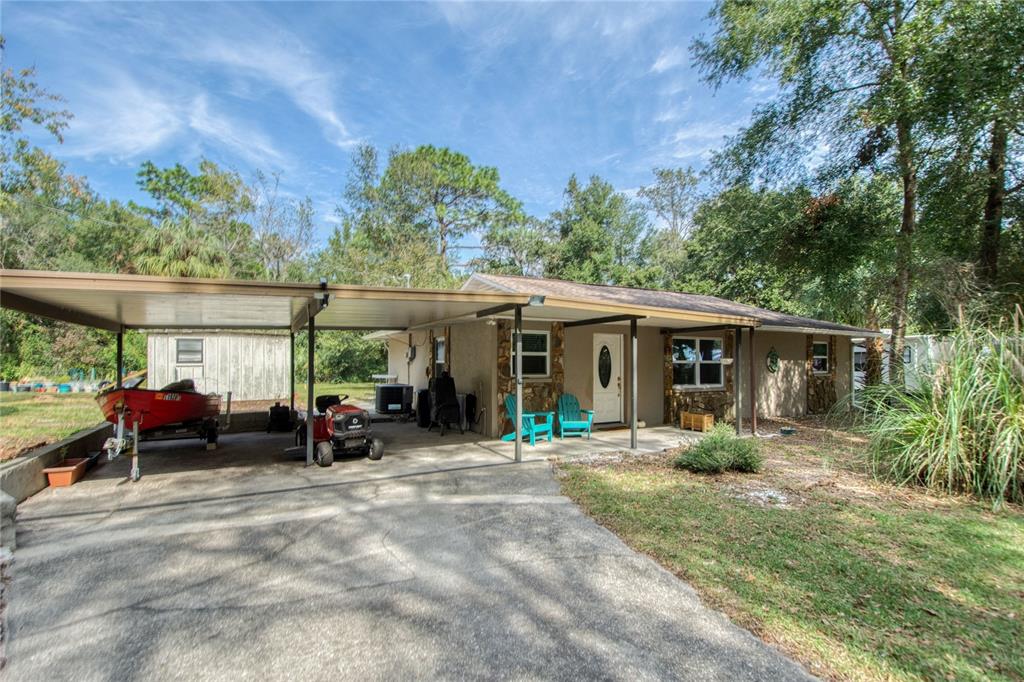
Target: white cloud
{"points": [[123, 120], [240, 137], [669, 58], [700, 138], [126, 120], [288, 66]]}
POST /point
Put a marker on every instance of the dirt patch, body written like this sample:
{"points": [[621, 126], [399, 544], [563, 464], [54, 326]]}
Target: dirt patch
{"points": [[820, 462], [12, 448]]}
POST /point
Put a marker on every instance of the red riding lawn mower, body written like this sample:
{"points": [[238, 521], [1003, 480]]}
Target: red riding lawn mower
{"points": [[339, 429]]}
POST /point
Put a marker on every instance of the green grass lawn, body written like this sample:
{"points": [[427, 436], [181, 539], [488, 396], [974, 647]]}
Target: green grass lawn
{"points": [[31, 419], [856, 579], [355, 390]]}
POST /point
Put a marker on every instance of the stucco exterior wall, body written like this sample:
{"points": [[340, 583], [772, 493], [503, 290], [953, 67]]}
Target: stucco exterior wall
{"points": [[471, 351], [470, 355], [784, 393], [844, 369], [579, 369], [414, 372], [474, 351]]}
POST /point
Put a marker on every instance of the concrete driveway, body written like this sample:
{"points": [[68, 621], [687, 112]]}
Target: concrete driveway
{"points": [[432, 563]]}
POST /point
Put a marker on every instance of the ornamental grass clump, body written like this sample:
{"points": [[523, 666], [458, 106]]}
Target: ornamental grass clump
{"points": [[719, 451], [962, 430]]}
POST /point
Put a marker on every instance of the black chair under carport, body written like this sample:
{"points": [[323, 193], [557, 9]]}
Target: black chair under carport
{"points": [[444, 403]]}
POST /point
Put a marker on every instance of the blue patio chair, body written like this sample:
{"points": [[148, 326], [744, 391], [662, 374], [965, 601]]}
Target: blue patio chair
{"points": [[573, 421], [530, 426]]}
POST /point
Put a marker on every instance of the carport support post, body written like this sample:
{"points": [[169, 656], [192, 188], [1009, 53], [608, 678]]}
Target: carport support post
{"points": [[753, 386], [632, 384], [311, 339], [518, 427], [291, 371], [736, 379], [120, 359]]}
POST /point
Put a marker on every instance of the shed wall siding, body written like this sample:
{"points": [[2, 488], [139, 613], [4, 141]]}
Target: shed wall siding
{"points": [[251, 366]]}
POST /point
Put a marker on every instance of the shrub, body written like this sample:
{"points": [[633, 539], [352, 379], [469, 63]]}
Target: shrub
{"points": [[962, 430], [719, 451]]}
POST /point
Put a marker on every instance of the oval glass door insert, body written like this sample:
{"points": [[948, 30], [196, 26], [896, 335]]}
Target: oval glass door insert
{"points": [[604, 366]]}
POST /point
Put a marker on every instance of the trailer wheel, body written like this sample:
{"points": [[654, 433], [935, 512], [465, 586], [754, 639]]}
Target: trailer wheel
{"points": [[376, 449], [324, 455]]}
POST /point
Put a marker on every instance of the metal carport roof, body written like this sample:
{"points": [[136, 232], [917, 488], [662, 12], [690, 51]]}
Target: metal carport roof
{"points": [[116, 302]]}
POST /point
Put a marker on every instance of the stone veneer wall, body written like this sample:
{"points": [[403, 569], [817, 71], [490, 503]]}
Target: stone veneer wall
{"points": [[821, 388], [718, 402], [539, 395]]}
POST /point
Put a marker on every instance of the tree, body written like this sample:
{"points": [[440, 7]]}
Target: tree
{"points": [[976, 98], [24, 167], [850, 77], [514, 245], [672, 197], [599, 234], [399, 225], [441, 191], [212, 207], [182, 249], [283, 228]]}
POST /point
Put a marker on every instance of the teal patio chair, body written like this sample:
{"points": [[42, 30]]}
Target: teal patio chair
{"points": [[573, 421], [530, 426]]}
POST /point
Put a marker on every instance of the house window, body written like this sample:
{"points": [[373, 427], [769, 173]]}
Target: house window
{"points": [[189, 351], [439, 355], [908, 355], [819, 357], [697, 362], [535, 354]]}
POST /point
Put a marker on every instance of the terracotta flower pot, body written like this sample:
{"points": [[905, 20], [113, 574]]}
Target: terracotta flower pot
{"points": [[67, 472]]}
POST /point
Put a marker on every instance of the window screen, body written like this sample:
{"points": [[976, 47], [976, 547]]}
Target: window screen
{"points": [[535, 354], [190, 351]]}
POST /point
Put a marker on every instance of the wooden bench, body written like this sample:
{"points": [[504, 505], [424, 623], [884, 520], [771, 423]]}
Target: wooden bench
{"points": [[696, 421]]}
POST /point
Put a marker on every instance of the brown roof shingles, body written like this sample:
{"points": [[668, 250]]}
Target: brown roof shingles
{"points": [[671, 300]]}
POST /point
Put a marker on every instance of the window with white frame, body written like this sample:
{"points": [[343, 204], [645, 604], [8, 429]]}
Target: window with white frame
{"points": [[697, 361], [189, 351], [819, 357], [536, 354], [439, 355]]}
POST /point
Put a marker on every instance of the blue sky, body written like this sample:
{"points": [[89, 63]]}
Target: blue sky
{"points": [[540, 91]]}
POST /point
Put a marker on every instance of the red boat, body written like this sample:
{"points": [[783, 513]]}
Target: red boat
{"points": [[175, 410], [177, 403]]}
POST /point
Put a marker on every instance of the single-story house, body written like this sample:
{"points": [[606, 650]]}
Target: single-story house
{"points": [[797, 365], [251, 365]]}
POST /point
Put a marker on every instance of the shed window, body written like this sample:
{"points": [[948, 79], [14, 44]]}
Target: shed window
{"points": [[697, 362], [536, 351], [189, 351], [819, 358]]}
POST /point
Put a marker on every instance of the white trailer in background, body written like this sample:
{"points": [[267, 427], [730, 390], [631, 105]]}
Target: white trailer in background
{"points": [[921, 352]]}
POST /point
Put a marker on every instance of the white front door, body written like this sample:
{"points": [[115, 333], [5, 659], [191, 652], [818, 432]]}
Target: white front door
{"points": [[607, 378]]}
